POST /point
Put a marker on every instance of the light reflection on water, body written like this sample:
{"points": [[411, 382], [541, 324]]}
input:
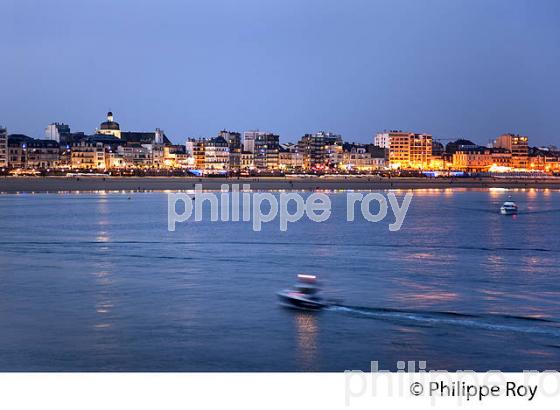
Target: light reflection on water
{"points": [[422, 295], [307, 329], [103, 305], [103, 277]]}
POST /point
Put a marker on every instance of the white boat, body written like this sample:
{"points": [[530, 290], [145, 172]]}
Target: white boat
{"points": [[304, 295], [509, 208]]}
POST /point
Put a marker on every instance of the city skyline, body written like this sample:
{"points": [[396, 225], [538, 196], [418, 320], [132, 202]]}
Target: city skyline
{"points": [[112, 148], [181, 139], [452, 69]]}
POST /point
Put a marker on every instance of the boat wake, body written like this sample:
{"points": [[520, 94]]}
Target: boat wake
{"points": [[498, 323]]}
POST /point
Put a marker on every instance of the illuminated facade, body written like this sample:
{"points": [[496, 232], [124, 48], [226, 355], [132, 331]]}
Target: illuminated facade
{"points": [[407, 150], [247, 161], [290, 158], [135, 155], [501, 158], [359, 159], [518, 146], [266, 151], [208, 154], [265, 147], [216, 154], [334, 154], [233, 140], [195, 152], [249, 140], [477, 160], [320, 149], [17, 154], [382, 139], [42, 154], [545, 161], [88, 155], [174, 156], [114, 160]]}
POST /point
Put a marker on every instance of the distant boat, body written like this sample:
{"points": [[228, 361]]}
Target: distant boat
{"points": [[509, 207], [304, 295]]}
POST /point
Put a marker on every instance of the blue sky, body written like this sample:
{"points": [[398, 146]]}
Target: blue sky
{"points": [[471, 68]]}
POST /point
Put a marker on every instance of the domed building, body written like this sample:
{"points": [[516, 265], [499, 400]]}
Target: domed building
{"points": [[110, 127], [110, 132]]}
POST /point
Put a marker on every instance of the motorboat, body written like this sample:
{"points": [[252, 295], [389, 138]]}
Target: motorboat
{"points": [[304, 295], [509, 207]]}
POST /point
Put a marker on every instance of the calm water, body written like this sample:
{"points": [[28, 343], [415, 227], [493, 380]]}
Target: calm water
{"points": [[96, 282]]}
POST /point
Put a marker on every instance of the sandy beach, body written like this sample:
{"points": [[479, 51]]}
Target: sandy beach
{"points": [[65, 184]]}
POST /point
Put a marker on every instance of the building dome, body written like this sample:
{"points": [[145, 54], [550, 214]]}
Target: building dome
{"points": [[109, 125]]}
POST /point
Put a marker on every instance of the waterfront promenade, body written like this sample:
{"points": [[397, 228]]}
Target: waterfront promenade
{"points": [[58, 184]]}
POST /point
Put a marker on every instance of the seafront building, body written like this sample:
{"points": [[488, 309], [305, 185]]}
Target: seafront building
{"points": [[88, 155], [361, 158], [518, 146], [501, 158], [195, 152], [247, 161], [57, 131], [3, 147], [211, 155], [17, 150], [216, 154], [175, 156], [131, 156], [235, 148], [43, 154], [383, 139], [481, 159], [460, 144], [265, 147], [474, 160], [544, 158], [407, 150], [290, 158], [320, 150]]}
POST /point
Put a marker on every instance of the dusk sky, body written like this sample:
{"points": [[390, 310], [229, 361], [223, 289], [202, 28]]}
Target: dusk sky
{"points": [[451, 68]]}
